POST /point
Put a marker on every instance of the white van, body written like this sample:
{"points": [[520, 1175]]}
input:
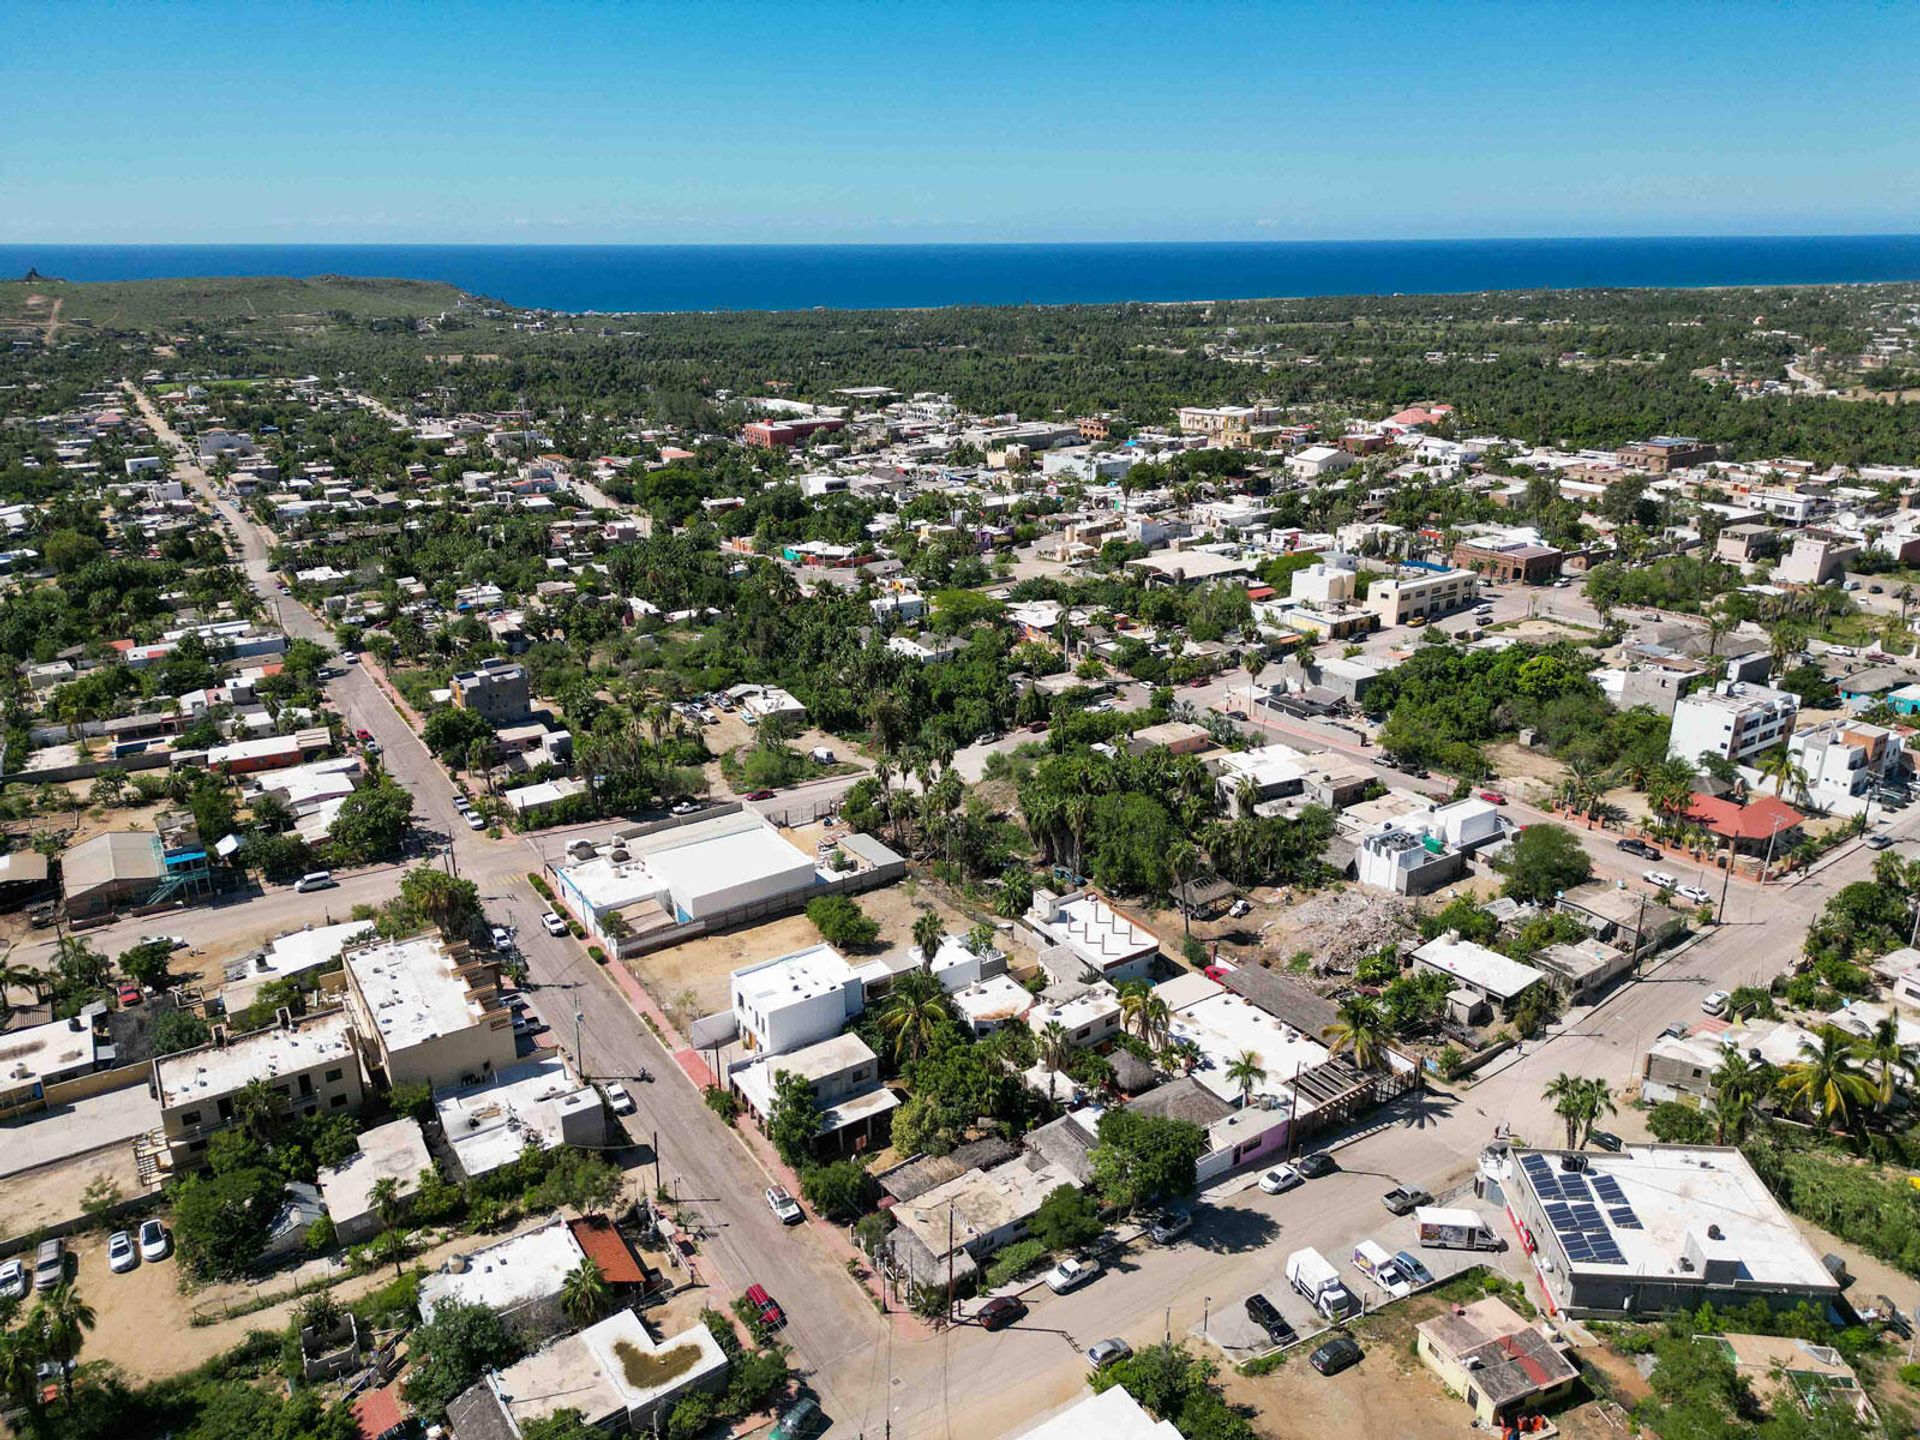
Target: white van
{"points": [[314, 880], [1371, 1259]]}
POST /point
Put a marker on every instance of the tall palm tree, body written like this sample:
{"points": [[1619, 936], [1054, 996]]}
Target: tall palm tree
{"points": [[1361, 1028], [1778, 765], [20, 1357], [585, 1294], [1568, 1093], [1883, 1050], [1141, 1009], [1246, 1071], [928, 932], [915, 1010], [1056, 1045], [256, 1107], [1181, 859], [387, 1208], [61, 1319], [1825, 1080], [1596, 1099]]}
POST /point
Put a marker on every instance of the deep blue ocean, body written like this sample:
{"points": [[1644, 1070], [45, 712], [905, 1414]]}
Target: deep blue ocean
{"points": [[791, 277]]}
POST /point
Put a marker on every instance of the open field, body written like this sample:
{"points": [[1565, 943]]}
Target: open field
{"points": [[242, 302]]}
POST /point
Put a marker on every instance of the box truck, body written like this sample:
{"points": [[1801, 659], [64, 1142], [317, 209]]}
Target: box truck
{"points": [[1313, 1275], [1454, 1230]]}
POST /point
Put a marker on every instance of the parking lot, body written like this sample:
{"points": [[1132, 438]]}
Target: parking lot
{"points": [[1228, 1326]]}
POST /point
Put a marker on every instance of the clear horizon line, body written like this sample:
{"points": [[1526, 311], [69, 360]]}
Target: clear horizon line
{"points": [[1704, 237]]}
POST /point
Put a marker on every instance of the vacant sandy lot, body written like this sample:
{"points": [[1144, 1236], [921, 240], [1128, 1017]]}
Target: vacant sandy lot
{"points": [[52, 1193], [702, 967]]}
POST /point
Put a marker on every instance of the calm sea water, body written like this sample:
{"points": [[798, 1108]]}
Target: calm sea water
{"points": [[787, 277]]}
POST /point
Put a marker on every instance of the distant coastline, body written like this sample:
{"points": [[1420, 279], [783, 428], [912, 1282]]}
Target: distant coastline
{"points": [[617, 279]]}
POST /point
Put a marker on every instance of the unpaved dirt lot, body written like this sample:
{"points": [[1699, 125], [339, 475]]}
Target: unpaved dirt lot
{"points": [[703, 966]]}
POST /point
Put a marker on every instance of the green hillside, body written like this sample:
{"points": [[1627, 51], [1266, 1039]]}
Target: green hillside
{"points": [[266, 303]]}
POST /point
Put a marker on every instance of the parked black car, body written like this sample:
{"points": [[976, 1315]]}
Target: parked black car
{"points": [[1640, 848], [1336, 1355], [1315, 1165], [1267, 1316]]}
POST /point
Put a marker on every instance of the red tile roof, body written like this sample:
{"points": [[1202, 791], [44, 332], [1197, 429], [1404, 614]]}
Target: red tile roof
{"points": [[608, 1251], [1760, 817], [379, 1412]]}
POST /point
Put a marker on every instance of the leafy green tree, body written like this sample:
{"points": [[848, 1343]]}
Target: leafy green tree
{"points": [[1361, 1030], [451, 1351], [1065, 1220], [793, 1120], [1543, 861], [278, 858], [371, 823], [450, 732], [220, 1221], [842, 923], [450, 903], [839, 1191], [1139, 1159], [147, 964]]}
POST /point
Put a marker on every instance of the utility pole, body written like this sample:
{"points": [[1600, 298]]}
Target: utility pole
{"points": [[656, 1162], [579, 1055], [949, 1260]]}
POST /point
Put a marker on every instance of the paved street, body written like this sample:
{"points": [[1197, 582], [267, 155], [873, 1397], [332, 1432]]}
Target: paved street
{"points": [[963, 1382]]}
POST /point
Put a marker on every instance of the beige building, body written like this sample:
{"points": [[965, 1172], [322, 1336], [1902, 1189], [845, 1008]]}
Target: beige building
{"points": [[1398, 600], [427, 1011], [1502, 1366], [312, 1066]]}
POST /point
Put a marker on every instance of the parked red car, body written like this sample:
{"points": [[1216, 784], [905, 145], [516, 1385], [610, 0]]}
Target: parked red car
{"points": [[363, 734], [759, 795], [1493, 797], [771, 1315], [129, 994]]}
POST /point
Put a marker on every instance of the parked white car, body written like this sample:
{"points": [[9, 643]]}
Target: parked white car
{"points": [[1694, 895], [618, 1100], [13, 1280], [1715, 1002], [155, 1242], [172, 942], [553, 923], [785, 1208], [1280, 1179], [1071, 1275], [121, 1256], [1660, 880]]}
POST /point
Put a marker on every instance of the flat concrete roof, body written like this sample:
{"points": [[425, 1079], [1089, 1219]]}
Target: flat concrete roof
{"points": [[216, 1070], [1111, 1415], [412, 991], [1486, 970], [395, 1151], [804, 975], [529, 1266], [1676, 1193]]}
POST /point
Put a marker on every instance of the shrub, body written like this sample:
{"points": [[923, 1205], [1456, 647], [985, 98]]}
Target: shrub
{"points": [[1676, 1124], [842, 923], [539, 886], [1020, 1258], [723, 1103]]}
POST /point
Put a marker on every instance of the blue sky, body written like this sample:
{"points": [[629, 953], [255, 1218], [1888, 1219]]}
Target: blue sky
{"points": [[1046, 120]]}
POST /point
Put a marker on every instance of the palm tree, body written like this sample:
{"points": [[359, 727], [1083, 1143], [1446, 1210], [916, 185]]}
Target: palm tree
{"points": [[1825, 1080], [928, 932], [387, 1207], [61, 1319], [916, 1008], [1361, 1028], [1141, 1009], [256, 1106], [1056, 1045], [20, 1358], [1247, 1072], [1778, 766], [1883, 1050], [584, 1294], [1596, 1100], [1568, 1093], [1181, 857]]}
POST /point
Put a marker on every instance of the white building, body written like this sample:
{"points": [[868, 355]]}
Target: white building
{"points": [[523, 1269], [1734, 721], [488, 1125], [661, 875], [1110, 946], [1843, 761], [796, 1000], [1111, 1415], [1324, 583], [1487, 973], [1317, 461], [1089, 1016], [396, 1151]]}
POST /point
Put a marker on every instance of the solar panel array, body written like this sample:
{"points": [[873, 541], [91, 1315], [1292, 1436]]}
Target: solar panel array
{"points": [[1573, 1204]]}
